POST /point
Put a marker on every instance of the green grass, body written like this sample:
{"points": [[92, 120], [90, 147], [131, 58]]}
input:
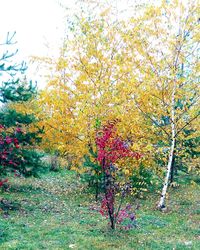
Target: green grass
{"points": [[54, 213]]}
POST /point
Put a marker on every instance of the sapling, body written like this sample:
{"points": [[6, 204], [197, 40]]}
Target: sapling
{"points": [[111, 148]]}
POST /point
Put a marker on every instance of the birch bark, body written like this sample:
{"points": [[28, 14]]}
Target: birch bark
{"points": [[161, 204]]}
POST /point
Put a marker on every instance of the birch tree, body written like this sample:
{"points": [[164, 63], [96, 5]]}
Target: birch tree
{"points": [[165, 50]]}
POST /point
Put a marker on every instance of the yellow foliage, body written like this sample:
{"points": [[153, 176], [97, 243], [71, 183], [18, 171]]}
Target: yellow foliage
{"points": [[125, 70]]}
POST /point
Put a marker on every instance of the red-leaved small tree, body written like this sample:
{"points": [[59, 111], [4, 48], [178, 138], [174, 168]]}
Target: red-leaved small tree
{"points": [[110, 149], [9, 152]]}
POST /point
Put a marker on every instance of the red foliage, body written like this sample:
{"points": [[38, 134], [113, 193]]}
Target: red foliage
{"points": [[110, 149], [9, 146]]}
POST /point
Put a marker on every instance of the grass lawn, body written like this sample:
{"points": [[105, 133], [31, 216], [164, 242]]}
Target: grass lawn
{"points": [[54, 212]]}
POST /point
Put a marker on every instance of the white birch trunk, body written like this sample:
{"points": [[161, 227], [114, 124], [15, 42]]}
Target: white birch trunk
{"points": [[161, 204]]}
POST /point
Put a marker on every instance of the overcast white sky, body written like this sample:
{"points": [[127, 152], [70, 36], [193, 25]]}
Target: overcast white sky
{"points": [[34, 21], [37, 23]]}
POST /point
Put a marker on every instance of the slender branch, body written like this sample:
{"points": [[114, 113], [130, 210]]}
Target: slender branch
{"points": [[187, 124], [119, 207], [148, 116], [193, 103]]}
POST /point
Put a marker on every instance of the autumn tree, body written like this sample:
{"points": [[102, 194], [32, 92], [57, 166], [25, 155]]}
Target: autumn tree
{"points": [[87, 87], [164, 43], [112, 150], [92, 84]]}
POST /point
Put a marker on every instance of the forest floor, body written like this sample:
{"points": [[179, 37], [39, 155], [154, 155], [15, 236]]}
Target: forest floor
{"points": [[54, 212]]}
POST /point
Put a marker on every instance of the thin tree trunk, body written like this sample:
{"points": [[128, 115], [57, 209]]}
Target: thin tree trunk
{"points": [[172, 170], [109, 194], [161, 204], [110, 197], [96, 190]]}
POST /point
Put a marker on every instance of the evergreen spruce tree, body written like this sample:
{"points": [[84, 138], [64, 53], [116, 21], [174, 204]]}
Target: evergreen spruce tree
{"points": [[18, 143]]}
